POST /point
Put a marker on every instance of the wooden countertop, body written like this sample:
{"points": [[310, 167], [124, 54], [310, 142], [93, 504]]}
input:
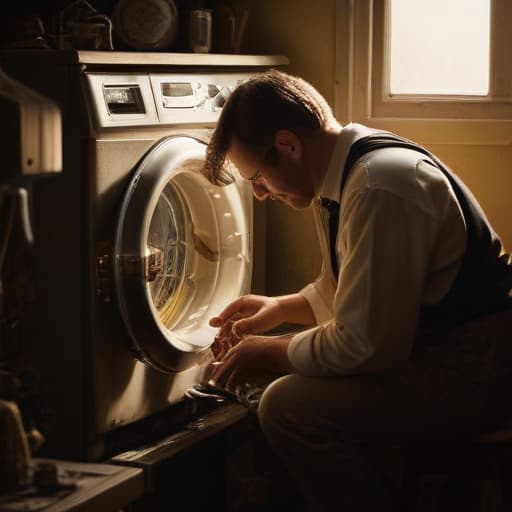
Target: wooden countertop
{"points": [[98, 487]]}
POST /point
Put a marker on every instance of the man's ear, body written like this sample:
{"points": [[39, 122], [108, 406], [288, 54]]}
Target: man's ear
{"points": [[288, 144]]}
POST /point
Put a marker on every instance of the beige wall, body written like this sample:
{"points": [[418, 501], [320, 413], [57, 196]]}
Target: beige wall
{"points": [[487, 170], [304, 31]]}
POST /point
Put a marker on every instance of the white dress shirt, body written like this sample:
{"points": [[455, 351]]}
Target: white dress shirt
{"points": [[401, 240]]}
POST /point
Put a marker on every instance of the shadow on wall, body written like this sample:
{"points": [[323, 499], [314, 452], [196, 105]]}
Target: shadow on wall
{"points": [[293, 255]]}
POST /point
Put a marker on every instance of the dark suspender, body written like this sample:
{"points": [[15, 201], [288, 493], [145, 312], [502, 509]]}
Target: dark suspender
{"points": [[485, 277]]}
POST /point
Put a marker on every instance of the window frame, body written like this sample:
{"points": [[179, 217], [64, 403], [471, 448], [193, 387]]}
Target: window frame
{"points": [[362, 77]]}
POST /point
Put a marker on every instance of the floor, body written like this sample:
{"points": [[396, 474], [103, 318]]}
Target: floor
{"points": [[236, 472]]}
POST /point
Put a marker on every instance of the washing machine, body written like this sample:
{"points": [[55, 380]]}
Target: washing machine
{"points": [[134, 249]]}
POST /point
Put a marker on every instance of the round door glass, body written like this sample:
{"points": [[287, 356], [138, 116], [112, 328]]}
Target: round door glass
{"points": [[182, 253], [169, 233]]}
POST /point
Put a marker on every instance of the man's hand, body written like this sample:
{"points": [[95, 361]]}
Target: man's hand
{"points": [[253, 361], [249, 314], [254, 314]]}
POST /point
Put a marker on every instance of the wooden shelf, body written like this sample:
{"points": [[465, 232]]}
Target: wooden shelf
{"points": [[99, 487], [144, 59]]}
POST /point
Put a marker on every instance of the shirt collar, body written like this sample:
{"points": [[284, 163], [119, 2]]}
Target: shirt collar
{"points": [[330, 188]]}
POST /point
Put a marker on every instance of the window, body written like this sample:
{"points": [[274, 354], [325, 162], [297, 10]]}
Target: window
{"points": [[439, 47], [436, 70]]}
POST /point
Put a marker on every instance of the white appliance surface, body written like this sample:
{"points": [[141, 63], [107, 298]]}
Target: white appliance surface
{"points": [[135, 249]]}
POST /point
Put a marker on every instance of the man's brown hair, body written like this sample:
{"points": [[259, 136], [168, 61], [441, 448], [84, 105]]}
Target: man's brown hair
{"points": [[256, 110]]}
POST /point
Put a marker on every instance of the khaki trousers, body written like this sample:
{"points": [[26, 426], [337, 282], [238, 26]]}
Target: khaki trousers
{"points": [[324, 428]]}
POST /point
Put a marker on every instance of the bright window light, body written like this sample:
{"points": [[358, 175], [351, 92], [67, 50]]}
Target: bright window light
{"points": [[439, 47]]}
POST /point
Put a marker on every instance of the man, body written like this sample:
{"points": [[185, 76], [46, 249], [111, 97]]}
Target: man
{"points": [[407, 322]]}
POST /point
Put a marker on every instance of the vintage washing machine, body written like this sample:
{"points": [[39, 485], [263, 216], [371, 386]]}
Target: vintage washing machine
{"points": [[135, 250]]}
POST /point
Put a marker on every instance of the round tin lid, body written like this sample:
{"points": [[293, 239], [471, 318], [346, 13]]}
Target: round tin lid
{"points": [[146, 24]]}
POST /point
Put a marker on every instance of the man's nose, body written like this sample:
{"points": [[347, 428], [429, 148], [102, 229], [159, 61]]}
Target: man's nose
{"points": [[259, 191]]}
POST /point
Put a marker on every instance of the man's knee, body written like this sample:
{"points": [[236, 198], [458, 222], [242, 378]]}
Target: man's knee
{"points": [[273, 400], [276, 404]]}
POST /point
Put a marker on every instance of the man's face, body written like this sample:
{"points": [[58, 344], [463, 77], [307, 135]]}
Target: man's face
{"points": [[287, 181]]}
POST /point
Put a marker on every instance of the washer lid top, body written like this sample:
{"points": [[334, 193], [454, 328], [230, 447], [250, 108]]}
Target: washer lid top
{"points": [[181, 254]]}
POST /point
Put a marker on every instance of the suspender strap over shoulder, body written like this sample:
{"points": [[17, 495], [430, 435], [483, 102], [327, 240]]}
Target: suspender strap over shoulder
{"points": [[485, 276]]}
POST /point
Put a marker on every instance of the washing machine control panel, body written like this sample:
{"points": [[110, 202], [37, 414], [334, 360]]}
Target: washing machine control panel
{"points": [[159, 98], [124, 99]]}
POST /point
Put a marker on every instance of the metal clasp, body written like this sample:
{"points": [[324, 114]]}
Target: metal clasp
{"points": [[146, 267], [103, 277]]}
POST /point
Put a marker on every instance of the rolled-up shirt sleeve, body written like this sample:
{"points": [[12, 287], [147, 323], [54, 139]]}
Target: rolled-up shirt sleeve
{"points": [[319, 296]]}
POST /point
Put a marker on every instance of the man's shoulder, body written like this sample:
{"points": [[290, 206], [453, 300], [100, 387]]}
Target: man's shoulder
{"points": [[403, 172]]}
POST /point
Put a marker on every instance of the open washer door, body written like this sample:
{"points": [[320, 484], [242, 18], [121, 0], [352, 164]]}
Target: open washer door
{"points": [[182, 252]]}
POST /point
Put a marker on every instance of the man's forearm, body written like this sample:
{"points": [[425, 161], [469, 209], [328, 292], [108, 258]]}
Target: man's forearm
{"points": [[296, 309]]}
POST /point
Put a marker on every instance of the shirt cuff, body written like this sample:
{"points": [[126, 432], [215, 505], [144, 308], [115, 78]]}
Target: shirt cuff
{"points": [[321, 308], [300, 353]]}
